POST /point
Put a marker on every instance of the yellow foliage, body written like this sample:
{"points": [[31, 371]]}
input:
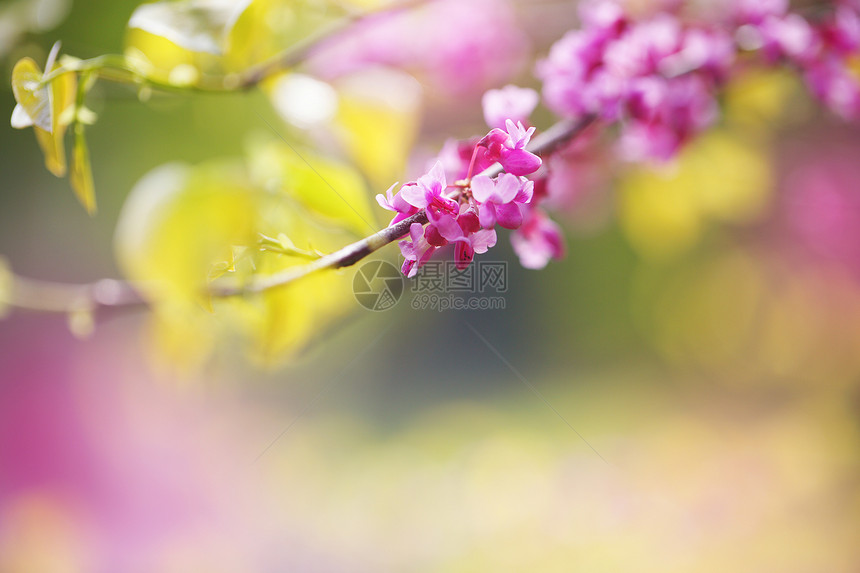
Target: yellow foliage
{"points": [[162, 60], [183, 227], [377, 122], [717, 177], [178, 222], [45, 105], [761, 97], [333, 192]]}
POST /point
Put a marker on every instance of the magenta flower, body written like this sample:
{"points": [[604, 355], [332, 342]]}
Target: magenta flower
{"points": [[416, 250], [510, 102], [537, 241], [832, 82], [435, 42], [710, 51], [508, 148], [466, 247], [788, 36], [842, 33], [567, 74], [603, 15], [755, 11], [395, 202], [668, 118], [499, 200], [429, 194], [456, 156], [642, 47]]}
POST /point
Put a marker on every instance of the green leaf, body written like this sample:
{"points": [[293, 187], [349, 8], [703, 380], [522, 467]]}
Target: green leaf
{"points": [[82, 174]]}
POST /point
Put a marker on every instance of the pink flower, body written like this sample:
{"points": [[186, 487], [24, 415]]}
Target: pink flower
{"points": [[510, 102], [429, 194], [567, 72], [454, 48], [788, 36], [642, 47], [396, 203], [466, 247], [537, 241], [416, 250], [668, 118], [755, 11], [834, 84], [842, 33], [606, 16], [457, 155], [508, 148], [710, 51], [499, 200]]}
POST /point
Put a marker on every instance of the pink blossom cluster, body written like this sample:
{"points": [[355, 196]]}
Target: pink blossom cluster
{"points": [[466, 212], [658, 77], [437, 42]]}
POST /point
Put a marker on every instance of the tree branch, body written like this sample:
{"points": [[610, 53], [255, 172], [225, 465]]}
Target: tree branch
{"points": [[107, 293]]}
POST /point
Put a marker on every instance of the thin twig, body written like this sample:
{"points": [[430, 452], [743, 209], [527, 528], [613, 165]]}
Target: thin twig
{"points": [[58, 297]]}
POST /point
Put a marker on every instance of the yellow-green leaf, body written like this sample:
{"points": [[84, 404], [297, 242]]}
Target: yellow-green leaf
{"points": [[33, 97], [82, 174], [267, 27], [5, 287], [195, 25], [282, 321], [178, 222], [46, 107], [377, 121], [332, 191]]}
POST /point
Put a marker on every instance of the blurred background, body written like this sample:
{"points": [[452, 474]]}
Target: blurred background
{"points": [[679, 394]]}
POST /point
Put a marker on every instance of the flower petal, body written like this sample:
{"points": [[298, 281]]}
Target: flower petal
{"points": [[487, 215], [507, 187], [448, 228], [509, 216], [519, 161], [525, 193], [483, 240], [414, 195]]}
